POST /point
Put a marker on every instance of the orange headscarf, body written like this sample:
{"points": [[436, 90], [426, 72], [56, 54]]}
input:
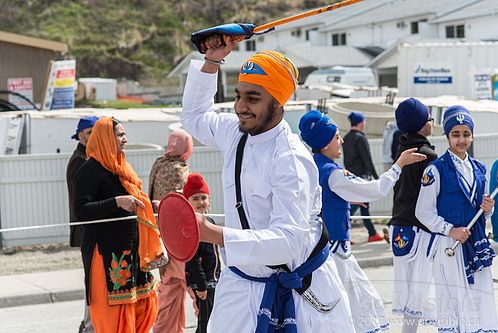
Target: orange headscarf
{"points": [[272, 71], [102, 147]]}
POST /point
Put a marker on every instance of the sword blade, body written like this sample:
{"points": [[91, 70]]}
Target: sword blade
{"points": [[311, 298]]}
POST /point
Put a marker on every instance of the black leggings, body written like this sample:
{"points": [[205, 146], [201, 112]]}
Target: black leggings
{"points": [[205, 308]]}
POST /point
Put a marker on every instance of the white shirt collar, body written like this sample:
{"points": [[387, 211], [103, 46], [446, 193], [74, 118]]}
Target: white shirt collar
{"points": [[464, 167], [458, 160], [268, 135]]}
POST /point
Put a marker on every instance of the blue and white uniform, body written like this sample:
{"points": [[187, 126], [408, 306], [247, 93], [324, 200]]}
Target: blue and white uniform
{"points": [[339, 187], [451, 194]]}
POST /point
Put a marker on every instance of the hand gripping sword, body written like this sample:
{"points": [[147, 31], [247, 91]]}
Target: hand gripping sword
{"points": [[450, 251]]}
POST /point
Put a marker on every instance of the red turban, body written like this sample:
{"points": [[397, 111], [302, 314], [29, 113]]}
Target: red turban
{"points": [[195, 184]]}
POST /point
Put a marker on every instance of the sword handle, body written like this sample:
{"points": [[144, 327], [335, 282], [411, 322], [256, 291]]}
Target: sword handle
{"points": [[450, 251]]}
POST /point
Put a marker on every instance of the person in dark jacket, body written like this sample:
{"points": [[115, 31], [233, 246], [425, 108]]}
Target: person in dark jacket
{"points": [[83, 131], [117, 256], [77, 159], [203, 270], [358, 160], [412, 278]]}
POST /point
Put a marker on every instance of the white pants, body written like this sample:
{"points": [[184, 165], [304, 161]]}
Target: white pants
{"points": [[237, 301], [462, 307], [413, 287], [367, 308]]}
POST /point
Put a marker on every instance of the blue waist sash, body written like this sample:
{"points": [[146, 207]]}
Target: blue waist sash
{"points": [[276, 311]]}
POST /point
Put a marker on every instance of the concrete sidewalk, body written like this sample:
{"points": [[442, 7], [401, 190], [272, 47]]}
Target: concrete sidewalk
{"points": [[67, 285]]}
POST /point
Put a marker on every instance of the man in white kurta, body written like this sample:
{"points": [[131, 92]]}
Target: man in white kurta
{"points": [[282, 199]]}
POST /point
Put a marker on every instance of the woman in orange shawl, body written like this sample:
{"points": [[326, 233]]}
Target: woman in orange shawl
{"points": [[117, 256]]}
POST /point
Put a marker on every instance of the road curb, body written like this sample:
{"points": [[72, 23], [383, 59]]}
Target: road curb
{"points": [[42, 298], [42, 294], [371, 263]]}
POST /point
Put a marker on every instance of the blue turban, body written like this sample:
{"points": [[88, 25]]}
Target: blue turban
{"points": [[457, 115], [411, 115], [356, 118], [317, 130], [84, 123]]}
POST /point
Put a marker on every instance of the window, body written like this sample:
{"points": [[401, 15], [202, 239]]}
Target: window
{"points": [[414, 27], [251, 45], [338, 39], [308, 33], [455, 31], [296, 33]]}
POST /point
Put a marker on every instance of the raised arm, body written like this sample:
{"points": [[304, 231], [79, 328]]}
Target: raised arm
{"points": [[198, 116]]}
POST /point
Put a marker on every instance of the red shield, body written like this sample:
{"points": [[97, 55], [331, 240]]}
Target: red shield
{"points": [[178, 227]]}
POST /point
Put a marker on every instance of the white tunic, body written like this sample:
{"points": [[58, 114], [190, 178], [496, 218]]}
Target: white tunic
{"points": [[366, 305], [426, 209], [460, 306], [281, 197]]}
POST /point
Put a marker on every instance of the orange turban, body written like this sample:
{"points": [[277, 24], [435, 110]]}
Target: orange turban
{"points": [[272, 71], [102, 147]]}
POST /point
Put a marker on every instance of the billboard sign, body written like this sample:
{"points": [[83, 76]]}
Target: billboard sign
{"points": [[433, 74]]}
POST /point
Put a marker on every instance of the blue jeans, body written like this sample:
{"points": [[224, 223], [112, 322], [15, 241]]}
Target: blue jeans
{"points": [[366, 222]]}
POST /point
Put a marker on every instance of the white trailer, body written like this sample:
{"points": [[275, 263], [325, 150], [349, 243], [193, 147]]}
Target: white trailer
{"points": [[436, 69]]}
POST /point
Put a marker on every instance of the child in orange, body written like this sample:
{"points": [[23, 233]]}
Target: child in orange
{"points": [[203, 270]]}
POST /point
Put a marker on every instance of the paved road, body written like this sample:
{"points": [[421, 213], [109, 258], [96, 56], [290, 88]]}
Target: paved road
{"points": [[59, 317], [63, 317]]}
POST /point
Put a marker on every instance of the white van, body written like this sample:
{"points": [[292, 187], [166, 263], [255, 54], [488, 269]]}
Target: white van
{"points": [[354, 76]]}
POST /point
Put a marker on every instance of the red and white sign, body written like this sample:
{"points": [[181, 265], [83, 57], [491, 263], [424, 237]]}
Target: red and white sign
{"points": [[65, 73], [22, 86]]}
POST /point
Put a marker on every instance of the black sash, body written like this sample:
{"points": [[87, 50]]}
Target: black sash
{"points": [[324, 237]]}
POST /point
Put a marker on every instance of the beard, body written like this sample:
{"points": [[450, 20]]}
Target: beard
{"points": [[267, 118]]}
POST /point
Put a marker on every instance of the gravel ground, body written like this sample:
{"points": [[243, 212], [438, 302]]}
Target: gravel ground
{"points": [[54, 257], [40, 258]]}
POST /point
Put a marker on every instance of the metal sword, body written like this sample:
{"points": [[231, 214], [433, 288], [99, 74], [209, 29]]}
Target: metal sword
{"points": [[311, 298], [450, 251]]}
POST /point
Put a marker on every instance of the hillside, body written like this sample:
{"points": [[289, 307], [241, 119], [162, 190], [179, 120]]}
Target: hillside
{"points": [[134, 39]]}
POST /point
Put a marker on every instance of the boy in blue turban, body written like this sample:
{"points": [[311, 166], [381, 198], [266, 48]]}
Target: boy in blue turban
{"points": [[453, 189], [412, 284], [339, 187]]}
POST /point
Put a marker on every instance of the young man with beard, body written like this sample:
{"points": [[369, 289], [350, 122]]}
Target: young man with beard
{"points": [[279, 275], [413, 289]]}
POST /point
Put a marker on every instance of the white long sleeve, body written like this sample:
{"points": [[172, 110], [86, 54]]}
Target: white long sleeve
{"points": [[355, 189], [426, 208], [279, 184]]}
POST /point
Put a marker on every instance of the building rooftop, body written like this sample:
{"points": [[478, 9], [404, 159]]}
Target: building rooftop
{"points": [[39, 43], [473, 9]]}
